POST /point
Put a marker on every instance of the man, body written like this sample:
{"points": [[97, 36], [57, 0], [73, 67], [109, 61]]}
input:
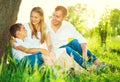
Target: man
{"points": [[61, 31]]}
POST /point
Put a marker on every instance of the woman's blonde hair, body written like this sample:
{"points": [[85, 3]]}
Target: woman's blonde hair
{"points": [[41, 24]]}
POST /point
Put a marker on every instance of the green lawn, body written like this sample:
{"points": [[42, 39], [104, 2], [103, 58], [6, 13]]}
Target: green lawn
{"points": [[109, 54]]}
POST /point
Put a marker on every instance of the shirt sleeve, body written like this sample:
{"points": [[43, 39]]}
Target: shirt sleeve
{"points": [[16, 44], [77, 35]]}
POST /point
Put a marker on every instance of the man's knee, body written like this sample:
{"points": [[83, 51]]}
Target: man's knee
{"points": [[69, 50], [74, 42]]}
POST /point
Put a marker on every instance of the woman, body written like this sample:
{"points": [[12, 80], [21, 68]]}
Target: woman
{"points": [[36, 29], [37, 34]]}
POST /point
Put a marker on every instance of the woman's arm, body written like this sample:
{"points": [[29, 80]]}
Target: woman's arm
{"points": [[48, 42]]}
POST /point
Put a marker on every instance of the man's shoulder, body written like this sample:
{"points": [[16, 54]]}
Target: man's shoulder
{"points": [[67, 24]]}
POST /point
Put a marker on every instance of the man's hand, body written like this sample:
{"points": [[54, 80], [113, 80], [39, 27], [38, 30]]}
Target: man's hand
{"points": [[84, 51], [85, 57]]}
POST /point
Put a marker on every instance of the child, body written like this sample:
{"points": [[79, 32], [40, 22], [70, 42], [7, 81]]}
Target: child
{"points": [[24, 50]]}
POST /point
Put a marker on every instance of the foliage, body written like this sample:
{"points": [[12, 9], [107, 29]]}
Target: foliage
{"points": [[77, 16], [115, 21], [103, 26], [107, 27], [16, 73], [10, 72]]}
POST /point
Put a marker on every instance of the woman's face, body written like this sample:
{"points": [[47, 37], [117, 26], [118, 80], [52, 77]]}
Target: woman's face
{"points": [[35, 18]]}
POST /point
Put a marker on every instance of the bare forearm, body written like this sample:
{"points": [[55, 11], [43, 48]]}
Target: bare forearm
{"points": [[33, 50], [28, 50], [84, 48], [49, 43], [50, 48]]}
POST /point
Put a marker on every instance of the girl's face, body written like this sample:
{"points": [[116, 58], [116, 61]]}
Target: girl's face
{"points": [[35, 18]]}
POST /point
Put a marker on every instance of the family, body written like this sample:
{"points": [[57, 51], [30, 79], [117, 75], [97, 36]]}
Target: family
{"points": [[49, 42]]}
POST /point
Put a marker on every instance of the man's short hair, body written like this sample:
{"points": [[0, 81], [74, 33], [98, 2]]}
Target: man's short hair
{"points": [[61, 8], [14, 28]]}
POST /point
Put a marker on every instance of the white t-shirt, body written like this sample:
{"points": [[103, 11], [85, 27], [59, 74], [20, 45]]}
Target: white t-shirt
{"points": [[65, 32], [33, 40], [17, 54]]}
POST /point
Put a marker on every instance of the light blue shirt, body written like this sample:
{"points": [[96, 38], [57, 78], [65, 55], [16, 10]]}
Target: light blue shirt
{"points": [[17, 54], [33, 40]]}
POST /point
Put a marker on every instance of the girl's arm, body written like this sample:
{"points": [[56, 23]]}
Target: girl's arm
{"points": [[32, 50]]}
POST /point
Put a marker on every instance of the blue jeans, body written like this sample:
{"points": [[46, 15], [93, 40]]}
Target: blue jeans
{"points": [[33, 59], [74, 47]]}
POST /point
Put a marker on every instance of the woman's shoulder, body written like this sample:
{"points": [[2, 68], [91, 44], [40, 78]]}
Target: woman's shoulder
{"points": [[26, 25]]}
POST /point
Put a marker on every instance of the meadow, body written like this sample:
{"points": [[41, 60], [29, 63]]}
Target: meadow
{"points": [[110, 53]]}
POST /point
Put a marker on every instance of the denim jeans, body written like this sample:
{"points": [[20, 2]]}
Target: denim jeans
{"points": [[33, 59], [74, 48]]}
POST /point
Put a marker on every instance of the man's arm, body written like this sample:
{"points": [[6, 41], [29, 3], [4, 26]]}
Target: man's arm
{"points": [[84, 51], [82, 41]]}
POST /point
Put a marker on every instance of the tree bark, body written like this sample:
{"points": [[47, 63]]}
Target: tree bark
{"points": [[8, 16]]}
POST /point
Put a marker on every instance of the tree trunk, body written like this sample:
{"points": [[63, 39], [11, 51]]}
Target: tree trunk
{"points": [[8, 16]]}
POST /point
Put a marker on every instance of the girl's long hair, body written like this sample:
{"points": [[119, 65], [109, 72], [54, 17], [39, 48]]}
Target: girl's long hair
{"points": [[41, 24]]}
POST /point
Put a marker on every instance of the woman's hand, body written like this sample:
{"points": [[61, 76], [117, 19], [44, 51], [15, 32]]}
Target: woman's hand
{"points": [[44, 52]]}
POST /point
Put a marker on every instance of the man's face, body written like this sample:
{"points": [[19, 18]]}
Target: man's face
{"points": [[57, 17]]}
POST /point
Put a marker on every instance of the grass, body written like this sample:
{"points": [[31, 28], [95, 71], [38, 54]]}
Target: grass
{"points": [[12, 73]]}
